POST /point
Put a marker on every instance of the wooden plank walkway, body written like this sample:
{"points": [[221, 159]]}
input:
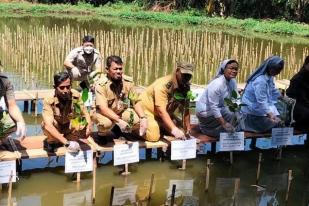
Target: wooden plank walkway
{"points": [[33, 148]]}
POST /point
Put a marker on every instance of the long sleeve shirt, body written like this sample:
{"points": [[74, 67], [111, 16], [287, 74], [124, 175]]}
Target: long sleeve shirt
{"points": [[212, 99], [260, 96]]}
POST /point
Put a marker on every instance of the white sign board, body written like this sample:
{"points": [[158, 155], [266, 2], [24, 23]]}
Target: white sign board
{"points": [[77, 198], [282, 136], [7, 168], [232, 141], [183, 188], [78, 162], [183, 149], [121, 195], [126, 153]]}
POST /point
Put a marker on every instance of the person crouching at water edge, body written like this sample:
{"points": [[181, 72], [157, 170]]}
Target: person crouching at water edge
{"points": [[11, 118], [160, 103], [83, 62], [116, 106], [299, 90], [260, 96], [213, 115], [66, 121]]}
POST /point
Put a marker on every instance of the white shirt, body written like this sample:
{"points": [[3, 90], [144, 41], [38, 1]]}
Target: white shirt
{"points": [[212, 99]]}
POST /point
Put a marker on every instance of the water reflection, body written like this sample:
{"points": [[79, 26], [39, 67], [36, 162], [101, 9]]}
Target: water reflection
{"points": [[37, 51]]}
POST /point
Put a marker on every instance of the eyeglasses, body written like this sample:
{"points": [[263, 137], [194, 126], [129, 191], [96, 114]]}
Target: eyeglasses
{"points": [[67, 87]]}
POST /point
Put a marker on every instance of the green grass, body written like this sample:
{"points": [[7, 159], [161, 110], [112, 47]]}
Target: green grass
{"points": [[133, 11]]}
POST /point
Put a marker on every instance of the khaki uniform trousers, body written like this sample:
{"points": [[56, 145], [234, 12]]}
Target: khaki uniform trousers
{"points": [[153, 130], [104, 124], [69, 134]]}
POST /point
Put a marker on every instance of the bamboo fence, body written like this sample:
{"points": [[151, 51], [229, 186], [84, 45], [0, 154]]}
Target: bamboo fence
{"points": [[38, 53]]}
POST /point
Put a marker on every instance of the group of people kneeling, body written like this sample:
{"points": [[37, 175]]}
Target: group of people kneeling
{"points": [[120, 111]]}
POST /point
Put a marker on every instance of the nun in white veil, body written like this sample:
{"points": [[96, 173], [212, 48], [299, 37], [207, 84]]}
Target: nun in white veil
{"points": [[214, 117]]}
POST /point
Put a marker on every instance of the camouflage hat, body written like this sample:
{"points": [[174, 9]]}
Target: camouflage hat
{"points": [[185, 67]]}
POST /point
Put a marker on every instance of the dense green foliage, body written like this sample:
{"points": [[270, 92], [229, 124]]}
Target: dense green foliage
{"points": [[136, 11], [297, 10]]}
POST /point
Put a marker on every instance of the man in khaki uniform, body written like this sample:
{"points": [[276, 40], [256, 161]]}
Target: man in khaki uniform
{"points": [[65, 118], [11, 118], [84, 60], [160, 104], [113, 102]]}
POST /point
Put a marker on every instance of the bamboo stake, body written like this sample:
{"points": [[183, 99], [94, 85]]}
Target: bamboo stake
{"points": [[78, 177], [231, 158], [288, 187], [183, 166], [112, 196], [173, 195], [94, 174], [10, 190], [258, 169], [126, 170], [207, 175]]}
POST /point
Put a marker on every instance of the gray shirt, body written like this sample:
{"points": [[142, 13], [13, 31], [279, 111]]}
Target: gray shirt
{"points": [[84, 62]]}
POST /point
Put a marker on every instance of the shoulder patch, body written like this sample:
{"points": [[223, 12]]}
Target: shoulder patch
{"points": [[127, 78], [169, 84]]}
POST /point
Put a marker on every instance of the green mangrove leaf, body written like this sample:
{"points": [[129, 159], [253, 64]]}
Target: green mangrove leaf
{"points": [[85, 94], [179, 96], [228, 101], [190, 96], [234, 94]]}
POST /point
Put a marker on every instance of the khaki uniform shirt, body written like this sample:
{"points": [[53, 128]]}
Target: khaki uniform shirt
{"points": [[104, 94], [61, 116], [160, 93], [84, 62]]}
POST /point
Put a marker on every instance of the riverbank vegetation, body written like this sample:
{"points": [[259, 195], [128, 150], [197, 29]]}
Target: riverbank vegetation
{"points": [[186, 13]]}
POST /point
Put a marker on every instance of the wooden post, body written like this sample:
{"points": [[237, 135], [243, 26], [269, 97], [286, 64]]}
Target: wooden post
{"points": [[126, 170], [183, 166], [26, 106], [112, 196], [207, 175], [10, 190], [78, 177], [289, 185], [36, 104], [258, 169], [94, 172], [231, 158], [173, 195]]}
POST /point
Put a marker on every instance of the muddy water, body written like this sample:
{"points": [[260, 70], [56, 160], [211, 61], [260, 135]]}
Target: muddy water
{"points": [[33, 49]]}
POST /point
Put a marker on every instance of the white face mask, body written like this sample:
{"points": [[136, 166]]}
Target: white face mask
{"points": [[88, 49]]}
